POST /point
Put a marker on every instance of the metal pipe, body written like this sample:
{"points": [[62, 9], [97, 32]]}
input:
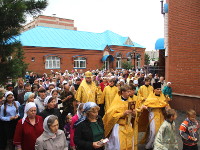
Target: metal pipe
{"points": [[162, 12]]}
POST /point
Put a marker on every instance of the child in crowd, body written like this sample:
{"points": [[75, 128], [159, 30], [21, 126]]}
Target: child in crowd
{"points": [[188, 131], [67, 127], [75, 118], [166, 136]]}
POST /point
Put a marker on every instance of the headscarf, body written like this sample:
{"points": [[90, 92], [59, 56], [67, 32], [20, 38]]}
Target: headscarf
{"points": [[8, 93], [27, 107], [169, 83], [135, 81], [87, 106], [78, 112], [45, 126], [26, 96], [52, 91], [46, 100]]}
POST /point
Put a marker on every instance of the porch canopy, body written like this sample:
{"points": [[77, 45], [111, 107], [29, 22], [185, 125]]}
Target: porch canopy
{"points": [[104, 58], [159, 44]]}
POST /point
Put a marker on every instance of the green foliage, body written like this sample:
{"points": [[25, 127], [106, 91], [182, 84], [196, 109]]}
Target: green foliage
{"points": [[127, 65], [147, 59], [13, 14]]}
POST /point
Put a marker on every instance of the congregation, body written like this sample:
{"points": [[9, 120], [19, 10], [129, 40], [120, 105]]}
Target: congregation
{"points": [[92, 110]]}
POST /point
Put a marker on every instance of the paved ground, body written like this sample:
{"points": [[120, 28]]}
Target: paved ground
{"points": [[180, 118]]}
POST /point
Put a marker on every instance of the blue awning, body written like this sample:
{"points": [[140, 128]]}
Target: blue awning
{"points": [[159, 44], [104, 58]]}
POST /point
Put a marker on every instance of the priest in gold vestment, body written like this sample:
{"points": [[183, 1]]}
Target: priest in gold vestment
{"points": [[156, 103], [145, 89], [88, 91], [108, 94], [117, 122]]}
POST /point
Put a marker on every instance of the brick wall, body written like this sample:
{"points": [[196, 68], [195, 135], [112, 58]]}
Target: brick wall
{"points": [[189, 103], [51, 21], [93, 57], [183, 61]]}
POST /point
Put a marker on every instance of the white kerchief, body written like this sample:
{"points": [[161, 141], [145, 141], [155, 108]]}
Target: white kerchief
{"points": [[27, 107]]}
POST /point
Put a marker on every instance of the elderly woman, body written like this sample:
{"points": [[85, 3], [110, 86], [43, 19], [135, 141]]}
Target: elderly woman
{"points": [[50, 109], [52, 138], [89, 129], [9, 116], [28, 129], [167, 90]]}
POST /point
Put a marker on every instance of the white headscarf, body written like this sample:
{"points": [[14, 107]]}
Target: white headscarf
{"points": [[52, 91], [8, 93], [27, 107], [169, 83], [135, 81], [46, 100], [78, 112], [45, 126]]}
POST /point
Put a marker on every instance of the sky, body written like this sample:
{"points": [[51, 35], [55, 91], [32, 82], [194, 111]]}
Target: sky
{"points": [[141, 20]]}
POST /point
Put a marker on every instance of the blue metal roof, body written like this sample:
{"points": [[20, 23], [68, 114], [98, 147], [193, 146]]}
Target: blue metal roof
{"points": [[159, 44], [64, 38]]}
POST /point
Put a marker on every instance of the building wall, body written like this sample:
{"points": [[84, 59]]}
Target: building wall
{"points": [[183, 61], [93, 57], [51, 21]]}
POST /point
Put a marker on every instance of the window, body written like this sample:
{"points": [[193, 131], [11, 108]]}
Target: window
{"points": [[52, 62], [138, 60], [119, 61], [9, 58], [33, 59], [106, 64], [129, 58], [79, 62]]}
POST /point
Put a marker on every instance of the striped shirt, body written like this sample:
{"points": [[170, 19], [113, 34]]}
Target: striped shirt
{"points": [[188, 131]]}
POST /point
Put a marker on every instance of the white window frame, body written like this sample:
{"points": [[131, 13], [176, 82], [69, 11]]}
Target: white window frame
{"points": [[80, 62], [119, 61], [106, 65], [129, 58], [52, 62], [138, 62]]}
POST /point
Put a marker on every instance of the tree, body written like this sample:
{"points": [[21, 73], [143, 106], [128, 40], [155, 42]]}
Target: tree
{"points": [[147, 59], [127, 65], [13, 14]]}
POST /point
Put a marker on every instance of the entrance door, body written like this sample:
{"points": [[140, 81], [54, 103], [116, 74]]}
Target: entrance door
{"points": [[106, 64]]}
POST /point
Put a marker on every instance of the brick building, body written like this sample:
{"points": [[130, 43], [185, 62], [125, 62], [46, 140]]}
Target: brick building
{"points": [[182, 54], [50, 21], [48, 48]]}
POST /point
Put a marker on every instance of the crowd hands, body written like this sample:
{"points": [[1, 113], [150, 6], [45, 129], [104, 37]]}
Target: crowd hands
{"points": [[86, 110]]}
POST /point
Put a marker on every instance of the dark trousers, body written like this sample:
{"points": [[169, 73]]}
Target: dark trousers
{"points": [[186, 147], [2, 136]]}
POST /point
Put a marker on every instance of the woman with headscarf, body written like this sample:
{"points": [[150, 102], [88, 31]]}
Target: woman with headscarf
{"points": [[78, 115], [9, 115], [28, 97], [50, 109], [28, 129], [52, 138], [89, 129], [55, 94]]}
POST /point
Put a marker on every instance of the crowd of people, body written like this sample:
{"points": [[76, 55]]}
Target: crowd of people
{"points": [[92, 110]]}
